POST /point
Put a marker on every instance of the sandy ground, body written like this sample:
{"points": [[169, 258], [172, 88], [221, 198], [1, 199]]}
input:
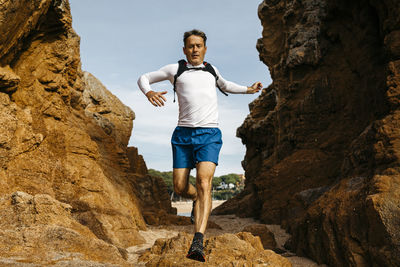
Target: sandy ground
{"points": [[228, 223], [186, 206]]}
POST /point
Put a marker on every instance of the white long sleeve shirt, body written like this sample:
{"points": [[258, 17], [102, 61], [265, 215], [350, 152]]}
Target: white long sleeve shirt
{"points": [[196, 91]]}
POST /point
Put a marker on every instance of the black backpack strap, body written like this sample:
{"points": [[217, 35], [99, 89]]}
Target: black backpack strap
{"points": [[211, 70], [182, 67]]}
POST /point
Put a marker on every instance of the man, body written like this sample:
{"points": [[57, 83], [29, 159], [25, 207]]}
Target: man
{"points": [[196, 141]]}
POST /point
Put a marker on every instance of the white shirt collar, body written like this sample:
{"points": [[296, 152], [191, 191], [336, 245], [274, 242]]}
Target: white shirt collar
{"points": [[197, 66]]}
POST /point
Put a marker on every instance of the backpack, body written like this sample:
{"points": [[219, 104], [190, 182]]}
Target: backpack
{"points": [[207, 67]]}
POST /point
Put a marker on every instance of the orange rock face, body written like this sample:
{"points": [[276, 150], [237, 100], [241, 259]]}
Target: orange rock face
{"points": [[62, 135], [323, 139], [154, 200], [137, 163], [41, 230], [266, 236]]}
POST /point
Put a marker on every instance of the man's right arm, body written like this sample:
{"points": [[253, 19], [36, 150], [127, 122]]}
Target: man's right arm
{"points": [[165, 73]]}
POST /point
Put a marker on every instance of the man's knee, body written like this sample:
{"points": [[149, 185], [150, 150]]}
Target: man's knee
{"points": [[204, 183], [180, 187], [180, 178]]}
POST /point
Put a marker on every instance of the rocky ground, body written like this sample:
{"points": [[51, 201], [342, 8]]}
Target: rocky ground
{"points": [[230, 224]]}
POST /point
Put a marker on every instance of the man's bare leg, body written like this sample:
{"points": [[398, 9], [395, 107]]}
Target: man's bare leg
{"points": [[181, 183], [205, 173]]}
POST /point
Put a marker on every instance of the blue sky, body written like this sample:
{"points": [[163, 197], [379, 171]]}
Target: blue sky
{"points": [[122, 39]]}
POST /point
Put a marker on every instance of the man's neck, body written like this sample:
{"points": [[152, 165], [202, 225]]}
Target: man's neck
{"points": [[195, 66]]}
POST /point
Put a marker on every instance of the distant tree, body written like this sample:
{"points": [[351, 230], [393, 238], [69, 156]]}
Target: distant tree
{"points": [[168, 179], [216, 181], [222, 194], [231, 178]]}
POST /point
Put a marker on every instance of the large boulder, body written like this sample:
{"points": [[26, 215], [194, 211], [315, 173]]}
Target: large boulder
{"points": [[40, 230], [323, 139], [262, 231], [155, 202], [107, 110], [51, 142], [137, 163], [63, 135], [241, 249]]}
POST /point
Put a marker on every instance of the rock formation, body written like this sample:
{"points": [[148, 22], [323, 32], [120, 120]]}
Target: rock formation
{"points": [[323, 139], [266, 236], [39, 229], [241, 249], [65, 176]]}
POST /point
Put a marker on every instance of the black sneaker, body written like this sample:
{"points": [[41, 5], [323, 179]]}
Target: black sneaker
{"points": [[196, 251], [192, 213]]}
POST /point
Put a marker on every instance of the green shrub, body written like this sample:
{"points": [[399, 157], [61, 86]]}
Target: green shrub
{"points": [[219, 195]]}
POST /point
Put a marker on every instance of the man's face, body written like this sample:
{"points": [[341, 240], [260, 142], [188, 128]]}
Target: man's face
{"points": [[195, 50]]}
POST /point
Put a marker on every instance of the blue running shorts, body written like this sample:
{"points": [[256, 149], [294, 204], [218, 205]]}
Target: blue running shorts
{"points": [[193, 145]]}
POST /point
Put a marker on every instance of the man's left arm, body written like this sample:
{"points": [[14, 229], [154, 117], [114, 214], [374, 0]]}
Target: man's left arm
{"points": [[234, 88]]}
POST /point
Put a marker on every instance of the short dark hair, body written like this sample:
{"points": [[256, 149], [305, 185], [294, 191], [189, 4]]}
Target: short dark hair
{"points": [[194, 32]]}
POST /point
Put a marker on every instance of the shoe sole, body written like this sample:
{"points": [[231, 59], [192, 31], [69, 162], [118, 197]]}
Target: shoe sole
{"points": [[196, 256]]}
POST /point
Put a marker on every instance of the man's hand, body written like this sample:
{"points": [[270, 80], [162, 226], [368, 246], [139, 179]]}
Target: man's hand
{"points": [[156, 98], [257, 86]]}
